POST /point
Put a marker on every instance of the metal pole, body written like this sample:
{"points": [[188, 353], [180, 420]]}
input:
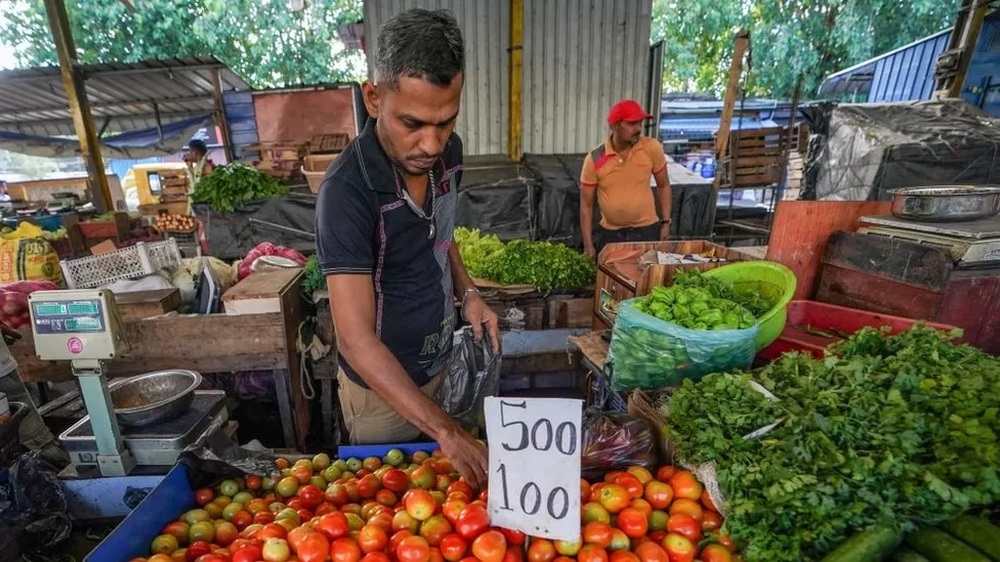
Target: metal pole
{"points": [[76, 95], [220, 116]]}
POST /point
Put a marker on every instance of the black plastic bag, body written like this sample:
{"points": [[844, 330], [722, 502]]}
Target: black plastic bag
{"points": [[34, 514], [614, 441], [473, 374], [218, 457]]}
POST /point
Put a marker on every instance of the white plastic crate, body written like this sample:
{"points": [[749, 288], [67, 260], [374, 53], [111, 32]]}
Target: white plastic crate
{"points": [[125, 263]]}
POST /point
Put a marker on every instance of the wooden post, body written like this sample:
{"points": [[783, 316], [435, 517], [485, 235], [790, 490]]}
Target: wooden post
{"points": [[220, 116], [76, 95], [725, 123], [516, 78], [787, 149], [969, 37]]}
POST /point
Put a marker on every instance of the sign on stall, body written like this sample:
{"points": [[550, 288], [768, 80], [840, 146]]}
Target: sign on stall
{"points": [[534, 481]]}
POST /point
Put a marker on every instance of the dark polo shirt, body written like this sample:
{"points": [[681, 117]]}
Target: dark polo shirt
{"points": [[364, 226]]}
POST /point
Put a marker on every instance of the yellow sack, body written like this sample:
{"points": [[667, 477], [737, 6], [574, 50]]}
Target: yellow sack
{"points": [[28, 259], [24, 230]]}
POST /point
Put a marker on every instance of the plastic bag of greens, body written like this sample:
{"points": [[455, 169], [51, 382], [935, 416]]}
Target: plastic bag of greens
{"points": [[650, 353], [615, 441], [473, 374]]}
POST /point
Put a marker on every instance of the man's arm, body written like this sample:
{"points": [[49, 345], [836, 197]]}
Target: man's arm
{"points": [[588, 190], [352, 300], [475, 310], [662, 189]]}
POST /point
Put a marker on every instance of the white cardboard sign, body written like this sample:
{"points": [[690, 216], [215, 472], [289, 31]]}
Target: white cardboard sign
{"points": [[534, 481]]}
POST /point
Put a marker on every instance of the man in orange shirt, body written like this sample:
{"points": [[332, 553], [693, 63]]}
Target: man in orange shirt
{"points": [[618, 173]]}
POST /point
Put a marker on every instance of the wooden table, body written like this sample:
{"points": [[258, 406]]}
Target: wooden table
{"points": [[209, 343]]}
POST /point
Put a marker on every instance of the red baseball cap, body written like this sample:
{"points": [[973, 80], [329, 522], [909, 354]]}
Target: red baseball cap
{"points": [[627, 110]]}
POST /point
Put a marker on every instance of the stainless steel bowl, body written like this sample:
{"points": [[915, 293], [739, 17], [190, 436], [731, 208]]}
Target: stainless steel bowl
{"points": [[946, 203], [153, 397]]}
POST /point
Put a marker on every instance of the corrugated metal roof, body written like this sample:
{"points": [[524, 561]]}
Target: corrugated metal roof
{"points": [[123, 96]]}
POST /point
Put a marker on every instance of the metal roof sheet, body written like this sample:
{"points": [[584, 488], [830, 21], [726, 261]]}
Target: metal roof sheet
{"points": [[123, 96]]}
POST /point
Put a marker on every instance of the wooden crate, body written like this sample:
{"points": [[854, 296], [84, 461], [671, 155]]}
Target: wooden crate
{"points": [[262, 292], [328, 143], [570, 312], [754, 158], [147, 304], [621, 276]]}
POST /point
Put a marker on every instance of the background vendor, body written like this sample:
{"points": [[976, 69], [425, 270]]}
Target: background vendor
{"points": [[198, 163], [384, 223], [618, 172]]}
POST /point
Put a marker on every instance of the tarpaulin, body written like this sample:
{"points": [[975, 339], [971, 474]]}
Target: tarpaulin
{"points": [[144, 143], [870, 149], [498, 198], [289, 221]]}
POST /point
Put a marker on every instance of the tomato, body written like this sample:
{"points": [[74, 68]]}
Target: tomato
{"points": [[657, 536], [711, 521], [684, 525], [201, 531], [490, 546], [420, 504], [287, 486], [396, 480], [372, 463], [584, 491], [541, 550], [336, 494], [296, 536], [452, 509], [651, 552], [403, 520], [313, 548], [706, 500], [254, 482], [513, 536], [597, 533], [568, 548], [375, 557], [619, 540], [178, 529], [345, 550], [324, 508], [614, 497], [658, 494], [163, 558], [514, 555], [641, 473], [630, 483], [423, 477], [622, 556], [453, 547], [435, 529], [272, 531], [213, 558], [473, 521], [372, 538], [385, 497], [689, 507], [197, 549], [442, 482], [397, 538], [165, 544], [679, 549], [333, 525], [643, 506], [264, 517], [632, 522], [593, 511], [592, 553], [276, 550], [595, 491], [414, 549], [310, 496], [302, 473], [249, 553], [665, 473], [204, 496], [727, 542], [686, 486], [226, 533], [281, 463], [461, 486], [383, 520], [715, 553], [435, 555], [368, 486]]}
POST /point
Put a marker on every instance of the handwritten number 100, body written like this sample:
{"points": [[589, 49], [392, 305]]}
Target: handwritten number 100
{"points": [[531, 497], [540, 435]]}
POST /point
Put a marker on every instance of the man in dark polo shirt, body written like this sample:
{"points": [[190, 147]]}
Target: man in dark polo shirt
{"points": [[384, 224]]}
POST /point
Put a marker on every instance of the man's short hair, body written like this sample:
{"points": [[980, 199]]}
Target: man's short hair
{"points": [[198, 144], [420, 44]]}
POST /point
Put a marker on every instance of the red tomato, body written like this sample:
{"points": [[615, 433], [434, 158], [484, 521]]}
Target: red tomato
{"points": [[204, 496], [297, 535], [396, 480], [375, 557], [541, 550], [345, 550], [310, 496], [514, 555], [614, 497], [248, 553], [622, 556], [689, 507], [665, 473], [513, 536], [435, 555], [473, 521], [684, 525], [679, 548], [333, 525], [413, 549], [630, 483], [598, 533], [313, 548], [369, 486], [197, 549], [372, 538], [592, 553], [651, 552], [716, 553], [453, 547], [711, 521], [633, 522], [435, 529], [385, 497], [685, 485], [658, 494], [490, 546], [397, 538]]}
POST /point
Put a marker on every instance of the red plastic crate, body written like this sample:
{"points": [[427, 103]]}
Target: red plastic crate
{"points": [[806, 315]]}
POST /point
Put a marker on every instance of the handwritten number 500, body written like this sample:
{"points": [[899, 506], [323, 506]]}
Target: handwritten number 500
{"points": [[540, 435]]}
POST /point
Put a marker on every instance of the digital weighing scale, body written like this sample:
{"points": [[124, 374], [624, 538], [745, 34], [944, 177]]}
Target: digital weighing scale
{"points": [[971, 244], [84, 327]]}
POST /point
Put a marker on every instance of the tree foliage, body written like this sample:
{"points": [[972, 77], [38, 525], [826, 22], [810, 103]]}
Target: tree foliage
{"points": [[262, 40], [788, 37]]}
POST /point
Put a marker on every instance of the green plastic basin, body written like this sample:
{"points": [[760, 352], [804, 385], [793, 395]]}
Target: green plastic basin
{"points": [[769, 279]]}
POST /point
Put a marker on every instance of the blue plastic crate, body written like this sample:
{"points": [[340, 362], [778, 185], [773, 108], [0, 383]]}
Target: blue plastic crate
{"points": [[364, 451], [132, 538]]}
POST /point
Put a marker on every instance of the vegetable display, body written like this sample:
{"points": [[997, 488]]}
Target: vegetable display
{"points": [[720, 289], [181, 223], [695, 309], [234, 184], [898, 430], [547, 266], [419, 510]]}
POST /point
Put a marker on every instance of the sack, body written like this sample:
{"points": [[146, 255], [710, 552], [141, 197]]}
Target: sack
{"points": [[650, 353], [29, 259], [246, 266], [473, 374], [614, 441], [14, 301]]}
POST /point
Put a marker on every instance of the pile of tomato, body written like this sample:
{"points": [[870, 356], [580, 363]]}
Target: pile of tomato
{"points": [[419, 510]]}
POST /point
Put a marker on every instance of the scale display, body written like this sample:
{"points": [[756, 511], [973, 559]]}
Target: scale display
{"points": [[68, 317]]}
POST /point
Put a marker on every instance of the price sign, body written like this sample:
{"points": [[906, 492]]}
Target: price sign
{"points": [[534, 477]]}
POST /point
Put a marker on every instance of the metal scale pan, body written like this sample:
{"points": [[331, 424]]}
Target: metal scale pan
{"points": [[157, 444]]}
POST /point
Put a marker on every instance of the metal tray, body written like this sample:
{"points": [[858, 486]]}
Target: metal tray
{"points": [[946, 203], [157, 445]]}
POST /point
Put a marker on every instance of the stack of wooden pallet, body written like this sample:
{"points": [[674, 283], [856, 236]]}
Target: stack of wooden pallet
{"points": [[282, 160], [330, 143], [754, 158], [175, 187]]}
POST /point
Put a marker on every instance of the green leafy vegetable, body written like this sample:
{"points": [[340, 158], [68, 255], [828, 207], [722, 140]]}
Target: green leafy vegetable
{"points": [[695, 308], [235, 184], [545, 265], [312, 277], [722, 289], [899, 429]]}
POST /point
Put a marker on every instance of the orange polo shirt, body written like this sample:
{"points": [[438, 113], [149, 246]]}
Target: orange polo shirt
{"points": [[623, 192]]}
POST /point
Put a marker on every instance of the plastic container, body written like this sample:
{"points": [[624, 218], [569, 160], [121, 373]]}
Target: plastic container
{"points": [[364, 451], [769, 279], [125, 263], [808, 319]]}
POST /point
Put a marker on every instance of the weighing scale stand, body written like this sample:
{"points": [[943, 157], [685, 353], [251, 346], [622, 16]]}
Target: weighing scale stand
{"points": [[113, 458], [84, 328]]}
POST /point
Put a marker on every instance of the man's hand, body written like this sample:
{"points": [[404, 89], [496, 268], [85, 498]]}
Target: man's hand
{"points": [[590, 251], [477, 313], [10, 335], [468, 456], [665, 231]]}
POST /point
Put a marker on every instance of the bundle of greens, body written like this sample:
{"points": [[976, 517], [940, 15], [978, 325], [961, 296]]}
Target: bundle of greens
{"points": [[312, 277], [899, 429], [545, 265], [234, 184], [720, 289], [695, 309]]}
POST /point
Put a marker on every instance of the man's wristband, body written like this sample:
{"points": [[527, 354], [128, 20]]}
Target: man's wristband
{"points": [[465, 295]]}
